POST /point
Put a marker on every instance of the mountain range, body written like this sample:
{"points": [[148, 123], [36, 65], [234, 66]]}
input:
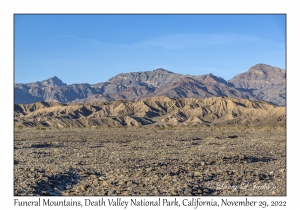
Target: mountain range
{"points": [[261, 82]]}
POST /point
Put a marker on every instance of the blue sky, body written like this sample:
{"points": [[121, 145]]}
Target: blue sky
{"points": [[94, 48]]}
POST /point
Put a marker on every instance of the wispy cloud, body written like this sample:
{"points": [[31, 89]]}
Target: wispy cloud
{"points": [[68, 36], [179, 41]]}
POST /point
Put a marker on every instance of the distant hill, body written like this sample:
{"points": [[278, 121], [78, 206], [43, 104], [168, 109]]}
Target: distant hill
{"points": [[260, 82], [158, 110]]}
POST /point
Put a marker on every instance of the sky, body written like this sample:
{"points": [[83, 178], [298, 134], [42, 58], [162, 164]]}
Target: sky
{"points": [[94, 48]]}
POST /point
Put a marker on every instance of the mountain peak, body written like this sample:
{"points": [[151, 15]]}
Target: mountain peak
{"points": [[55, 77], [53, 82], [265, 67], [162, 70], [265, 79], [261, 65], [213, 78]]}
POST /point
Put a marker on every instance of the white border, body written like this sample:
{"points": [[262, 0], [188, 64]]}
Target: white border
{"points": [[9, 8]]}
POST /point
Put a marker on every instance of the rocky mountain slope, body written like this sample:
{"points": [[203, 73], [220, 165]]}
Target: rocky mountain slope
{"points": [[266, 83], [159, 110], [260, 82]]}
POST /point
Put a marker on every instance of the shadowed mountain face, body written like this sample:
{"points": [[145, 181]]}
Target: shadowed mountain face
{"points": [[158, 110], [260, 82]]}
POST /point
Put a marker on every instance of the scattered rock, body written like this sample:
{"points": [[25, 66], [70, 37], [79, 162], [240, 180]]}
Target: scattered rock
{"points": [[197, 174], [146, 166]]}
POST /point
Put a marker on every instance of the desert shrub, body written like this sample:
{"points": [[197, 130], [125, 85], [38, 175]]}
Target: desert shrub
{"points": [[161, 128], [268, 129], [20, 126], [241, 128]]}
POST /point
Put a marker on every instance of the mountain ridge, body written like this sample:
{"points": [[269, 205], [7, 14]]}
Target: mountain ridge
{"points": [[260, 82]]}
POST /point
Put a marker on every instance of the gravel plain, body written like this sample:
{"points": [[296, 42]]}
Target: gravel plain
{"points": [[150, 161]]}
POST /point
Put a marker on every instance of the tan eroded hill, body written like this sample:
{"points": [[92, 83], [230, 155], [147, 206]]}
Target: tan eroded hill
{"points": [[158, 110]]}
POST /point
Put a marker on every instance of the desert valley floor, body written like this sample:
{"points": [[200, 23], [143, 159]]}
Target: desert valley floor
{"points": [[148, 160]]}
